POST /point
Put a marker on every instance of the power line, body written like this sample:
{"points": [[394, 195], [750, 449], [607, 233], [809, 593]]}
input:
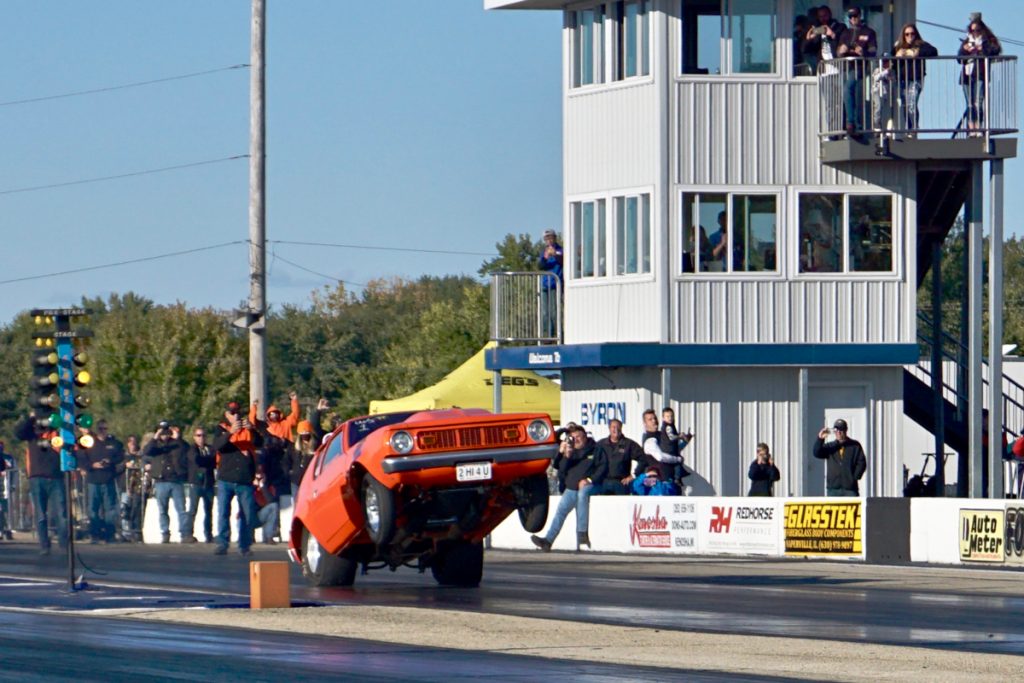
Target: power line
{"points": [[124, 263], [275, 255], [124, 86], [1008, 41], [379, 248], [133, 174]]}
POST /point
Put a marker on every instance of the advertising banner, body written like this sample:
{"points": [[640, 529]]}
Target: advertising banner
{"points": [[824, 528], [982, 535], [738, 526], [662, 524], [1014, 545]]}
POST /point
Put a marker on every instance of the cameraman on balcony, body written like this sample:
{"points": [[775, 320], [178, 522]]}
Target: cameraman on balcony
{"points": [[860, 43], [551, 284]]}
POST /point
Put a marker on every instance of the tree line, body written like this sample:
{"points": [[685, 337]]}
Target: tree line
{"points": [[152, 362]]}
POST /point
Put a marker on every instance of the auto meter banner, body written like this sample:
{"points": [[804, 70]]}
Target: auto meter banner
{"points": [[740, 526], [982, 535], [824, 528]]}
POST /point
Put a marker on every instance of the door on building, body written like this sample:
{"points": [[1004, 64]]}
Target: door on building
{"points": [[828, 403]]}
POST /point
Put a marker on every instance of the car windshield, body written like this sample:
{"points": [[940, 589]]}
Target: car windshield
{"points": [[364, 426]]}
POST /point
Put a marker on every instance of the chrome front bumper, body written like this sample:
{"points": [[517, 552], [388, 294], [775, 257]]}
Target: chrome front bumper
{"points": [[415, 463]]}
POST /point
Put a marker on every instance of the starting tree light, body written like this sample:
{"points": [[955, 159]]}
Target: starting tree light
{"points": [[58, 357]]}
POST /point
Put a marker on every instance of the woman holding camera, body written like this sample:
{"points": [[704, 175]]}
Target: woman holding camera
{"points": [[763, 473], [979, 44]]}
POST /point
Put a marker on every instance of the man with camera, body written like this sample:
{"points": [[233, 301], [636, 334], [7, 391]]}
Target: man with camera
{"points": [[235, 443], [201, 462], [845, 461], [164, 459], [100, 464], [578, 469]]}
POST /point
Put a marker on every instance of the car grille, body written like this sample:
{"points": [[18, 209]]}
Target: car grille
{"points": [[469, 437]]}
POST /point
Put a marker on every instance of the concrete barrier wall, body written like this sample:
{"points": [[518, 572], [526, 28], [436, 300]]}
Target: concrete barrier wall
{"points": [[966, 531], [773, 527], [151, 521]]}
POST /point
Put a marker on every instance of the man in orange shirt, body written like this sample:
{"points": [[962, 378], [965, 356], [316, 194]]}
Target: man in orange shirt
{"points": [[281, 427]]}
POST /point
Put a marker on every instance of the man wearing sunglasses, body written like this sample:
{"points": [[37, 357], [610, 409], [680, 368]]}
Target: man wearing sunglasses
{"points": [[845, 461]]}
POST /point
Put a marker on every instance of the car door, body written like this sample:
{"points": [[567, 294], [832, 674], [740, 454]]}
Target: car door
{"points": [[326, 517]]}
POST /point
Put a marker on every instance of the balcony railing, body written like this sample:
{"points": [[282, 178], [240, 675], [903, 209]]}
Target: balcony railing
{"points": [[526, 308], [904, 98]]}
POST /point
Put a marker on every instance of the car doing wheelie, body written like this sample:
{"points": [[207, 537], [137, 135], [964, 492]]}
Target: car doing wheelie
{"points": [[421, 489]]}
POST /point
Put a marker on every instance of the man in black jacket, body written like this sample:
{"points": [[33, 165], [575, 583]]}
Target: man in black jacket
{"points": [[616, 454], [201, 461], [100, 464], [45, 482], [845, 461], [164, 458], [579, 468], [235, 442]]}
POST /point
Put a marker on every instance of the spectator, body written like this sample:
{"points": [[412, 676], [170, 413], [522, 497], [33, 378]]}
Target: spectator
{"points": [[882, 78], [719, 244], [657, 450], [100, 464], [6, 477], [804, 62], [652, 484], [763, 473], [846, 462], [859, 43], [281, 427], [309, 438], [979, 44], [235, 443], [45, 482], [912, 50], [268, 514], [550, 262], [201, 461], [134, 496], [578, 468], [164, 459], [615, 454], [822, 43]]}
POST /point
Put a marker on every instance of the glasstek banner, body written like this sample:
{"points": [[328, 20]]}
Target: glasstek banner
{"points": [[824, 528]]}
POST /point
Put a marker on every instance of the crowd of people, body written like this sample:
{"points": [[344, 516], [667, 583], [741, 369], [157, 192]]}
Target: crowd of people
{"points": [[821, 42], [617, 465], [251, 461]]}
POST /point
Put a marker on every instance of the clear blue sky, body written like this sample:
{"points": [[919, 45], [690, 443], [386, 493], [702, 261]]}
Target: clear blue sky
{"points": [[431, 125]]}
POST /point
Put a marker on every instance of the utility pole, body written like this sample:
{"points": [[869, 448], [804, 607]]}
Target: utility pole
{"points": [[257, 212]]}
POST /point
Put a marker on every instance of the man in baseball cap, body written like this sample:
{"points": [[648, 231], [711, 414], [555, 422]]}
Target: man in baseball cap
{"points": [[845, 460]]}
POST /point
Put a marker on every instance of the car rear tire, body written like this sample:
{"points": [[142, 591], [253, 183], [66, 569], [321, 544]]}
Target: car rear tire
{"points": [[458, 563], [533, 514], [324, 569], [378, 511]]}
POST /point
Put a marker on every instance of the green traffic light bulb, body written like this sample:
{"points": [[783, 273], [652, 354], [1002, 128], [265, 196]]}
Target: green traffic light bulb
{"points": [[54, 421], [84, 420]]}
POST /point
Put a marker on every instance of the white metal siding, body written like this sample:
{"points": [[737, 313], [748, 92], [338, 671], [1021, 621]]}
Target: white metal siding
{"points": [[612, 312]]}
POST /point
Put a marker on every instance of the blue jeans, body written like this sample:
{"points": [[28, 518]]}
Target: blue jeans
{"points": [[269, 517], [608, 487], [571, 499], [103, 510], [205, 494], [845, 493], [227, 490], [910, 94], [45, 493], [853, 101], [974, 93], [549, 312], [165, 490]]}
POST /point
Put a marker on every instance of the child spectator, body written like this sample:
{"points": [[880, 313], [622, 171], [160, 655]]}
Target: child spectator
{"points": [[651, 484]]}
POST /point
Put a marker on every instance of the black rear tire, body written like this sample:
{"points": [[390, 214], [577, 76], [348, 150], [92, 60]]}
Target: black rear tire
{"points": [[533, 515], [378, 511], [323, 568], [458, 563]]}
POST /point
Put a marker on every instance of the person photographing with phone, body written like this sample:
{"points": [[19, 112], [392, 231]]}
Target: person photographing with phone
{"points": [[845, 461], [235, 443], [763, 473], [164, 459]]}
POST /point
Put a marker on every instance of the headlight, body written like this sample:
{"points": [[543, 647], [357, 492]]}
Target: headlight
{"points": [[401, 442], [539, 430]]}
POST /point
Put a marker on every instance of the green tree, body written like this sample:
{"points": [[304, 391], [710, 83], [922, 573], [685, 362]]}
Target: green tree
{"points": [[515, 253]]}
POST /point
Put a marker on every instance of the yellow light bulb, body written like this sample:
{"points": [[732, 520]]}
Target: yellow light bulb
{"points": [[57, 442], [86, 441]]}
